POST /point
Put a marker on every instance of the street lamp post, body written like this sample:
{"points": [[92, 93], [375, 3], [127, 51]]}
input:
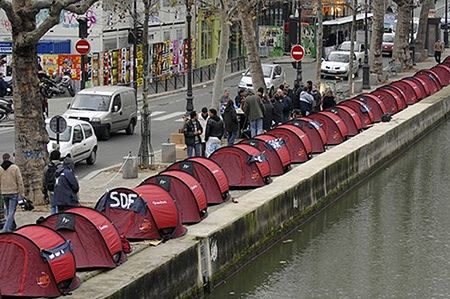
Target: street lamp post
{"points": [[446, 25], [135, 44], [366, 67], [299, 37], [189, 94], [412, 45]]}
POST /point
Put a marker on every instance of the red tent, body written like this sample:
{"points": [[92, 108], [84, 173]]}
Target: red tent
{"points": [[145, 213], [244, 165], [375, 104], [334, 126], [443, 73], [427, 84], [420, 88], [275, 150], [388, 99], [434, 76], [315, 132], [36, 261], [397, 95], [350, 118], [362, 109], [186, 191], [297, 142], [409, 89], [212, 178], [95, 240]]}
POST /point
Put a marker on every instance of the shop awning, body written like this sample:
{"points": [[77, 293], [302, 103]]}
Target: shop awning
{"points": [[345, 20]]}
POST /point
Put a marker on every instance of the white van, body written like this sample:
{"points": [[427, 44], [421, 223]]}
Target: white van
{"points": [[107, 108]]}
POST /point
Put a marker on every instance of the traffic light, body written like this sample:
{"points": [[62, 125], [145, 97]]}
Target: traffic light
{"points": [[82, 28]]}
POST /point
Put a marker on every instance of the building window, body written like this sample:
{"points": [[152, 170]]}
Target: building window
{"points": [[207, 40], [166, 35], [180, 34]]}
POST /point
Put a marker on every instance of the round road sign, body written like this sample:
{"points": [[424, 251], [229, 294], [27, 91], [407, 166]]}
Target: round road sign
{"points": [[83, 47], [58, 124], [297, 52]]}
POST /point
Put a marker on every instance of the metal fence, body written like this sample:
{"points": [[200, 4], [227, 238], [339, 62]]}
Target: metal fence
{"points": [[199, 75]]}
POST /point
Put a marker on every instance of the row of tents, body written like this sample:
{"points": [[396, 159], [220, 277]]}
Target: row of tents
{"points": [[41, 260]]}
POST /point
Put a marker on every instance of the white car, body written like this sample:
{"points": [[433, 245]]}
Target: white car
{"points": [[78, 141], [337, 65], [359, 50], [273, 76]]}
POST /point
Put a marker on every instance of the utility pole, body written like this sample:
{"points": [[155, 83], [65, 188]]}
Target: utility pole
{"points": [[83, 33], [189, 93], [135, 44], [366, 67], [299, 37]]}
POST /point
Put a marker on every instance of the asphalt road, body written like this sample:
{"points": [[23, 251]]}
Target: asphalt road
{"points": [[166, 112]]}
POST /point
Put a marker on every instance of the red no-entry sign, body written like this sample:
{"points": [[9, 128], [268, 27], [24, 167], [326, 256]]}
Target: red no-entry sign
{"points": [[83, 47], [297, 52]]}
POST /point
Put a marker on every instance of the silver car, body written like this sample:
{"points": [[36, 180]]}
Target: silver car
{"points": [[273, 76]]}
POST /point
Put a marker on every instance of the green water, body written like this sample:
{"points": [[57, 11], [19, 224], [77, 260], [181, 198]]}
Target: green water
{"points": [[387, 238]]}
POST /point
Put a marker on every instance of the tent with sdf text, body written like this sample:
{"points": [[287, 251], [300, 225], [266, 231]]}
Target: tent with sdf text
{"points": [[36, 261], [143, 213], [95, 240], [210, 175], [187, 192]]}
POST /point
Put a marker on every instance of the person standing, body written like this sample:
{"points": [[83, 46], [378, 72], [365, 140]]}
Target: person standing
{"points": [[239, 98], [203, 120], [231, 122], [268, 113], [66, 187], [224, 100], [214, 132], [11, 187], [278, 107], [328, 100], [192, 135], [254, 110], [438, 49], [306, 102], [49, 179]]}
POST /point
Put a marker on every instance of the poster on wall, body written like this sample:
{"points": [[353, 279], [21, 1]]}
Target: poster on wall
{"points": [[140, 66], [115, 67], [124, 66], [106, 68], [185, 46], [309, 40], [49, 63], [272, 37], [70, 64], [95, 69]]}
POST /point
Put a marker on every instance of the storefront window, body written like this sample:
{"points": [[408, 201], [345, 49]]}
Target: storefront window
{"points": [[207, 40]]}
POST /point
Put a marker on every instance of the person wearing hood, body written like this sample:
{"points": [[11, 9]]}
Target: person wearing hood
{"points": [[49, 179], [214, 132], [231, 122], [11, 187], [66, 188]]}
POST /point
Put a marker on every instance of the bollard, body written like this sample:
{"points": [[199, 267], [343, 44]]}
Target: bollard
{"points": [[130, 167], [168, 153]]}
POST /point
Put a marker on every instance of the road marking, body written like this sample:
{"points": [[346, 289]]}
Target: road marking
{"points": [[169, 116], [6, 130], [153, 114]]}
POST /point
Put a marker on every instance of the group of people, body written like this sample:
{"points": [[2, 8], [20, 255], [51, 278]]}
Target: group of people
{"points": [[60, 187], [257, 113]]}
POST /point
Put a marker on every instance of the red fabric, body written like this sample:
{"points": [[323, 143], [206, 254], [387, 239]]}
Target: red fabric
{"points": [[125, 244], [334, 126], [282, 152], [409, 89], [351, 119], [233, 161], [316, 134], [443, 72], [187, 193], [388, 100], [23, 272], [263, 167], [294, 138], [63, 268], [375, 104], [431, 81], [434, 76], [367, 117], [398, 96], [418, 87], [215, 169], [425, 84]]}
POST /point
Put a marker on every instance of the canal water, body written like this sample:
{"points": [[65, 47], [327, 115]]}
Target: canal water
{"points": [[389, 237]]}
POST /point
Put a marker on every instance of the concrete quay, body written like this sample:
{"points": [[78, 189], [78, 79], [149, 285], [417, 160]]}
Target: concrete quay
{"points": [[234, 233]]}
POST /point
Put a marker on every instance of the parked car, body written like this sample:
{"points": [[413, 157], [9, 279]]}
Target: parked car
{"points": [[273, 76], [337, 64], [359, 50], [78, 141], [107, 108], [387, 46]]}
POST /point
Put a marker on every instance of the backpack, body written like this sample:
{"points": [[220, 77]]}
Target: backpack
{"points": [[50, 176]]}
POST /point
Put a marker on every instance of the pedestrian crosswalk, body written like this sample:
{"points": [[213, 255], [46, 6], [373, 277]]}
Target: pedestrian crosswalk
{"points": [[165, 116]]}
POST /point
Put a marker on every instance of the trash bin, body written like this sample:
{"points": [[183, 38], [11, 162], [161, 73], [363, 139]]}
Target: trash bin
{"points": [[130, 167], [168, 153]]}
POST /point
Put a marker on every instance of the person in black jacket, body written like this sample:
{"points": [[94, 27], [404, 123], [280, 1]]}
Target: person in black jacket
{"points": [[192, 135], [66, 188], [214, 132], [268, 113], [231, 122]]}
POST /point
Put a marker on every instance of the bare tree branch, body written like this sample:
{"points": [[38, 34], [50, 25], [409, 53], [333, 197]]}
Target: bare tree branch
{"points": [[7, 7]]}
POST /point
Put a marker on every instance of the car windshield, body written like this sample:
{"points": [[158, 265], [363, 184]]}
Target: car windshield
{"points": [[64, 136], [91, 102], [346, 47], [339, 57], [388, 38], [267, 71]]}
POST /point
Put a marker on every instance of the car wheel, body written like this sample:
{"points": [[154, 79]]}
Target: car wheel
{"points": [[106, 134], [131, 126], [92, 157]]}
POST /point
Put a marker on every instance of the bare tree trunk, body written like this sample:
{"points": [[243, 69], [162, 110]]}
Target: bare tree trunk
{"points": [[422, 30], [319, 41], [222, 57], [376, 54], [352, 46], [246, 14], [401, 44]]}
